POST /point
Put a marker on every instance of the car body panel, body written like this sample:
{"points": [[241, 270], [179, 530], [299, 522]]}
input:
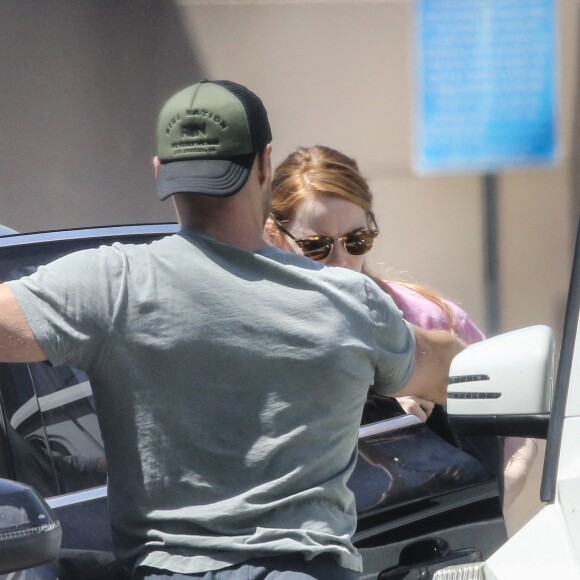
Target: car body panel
{"points": [[548, 546], [524, 556]]}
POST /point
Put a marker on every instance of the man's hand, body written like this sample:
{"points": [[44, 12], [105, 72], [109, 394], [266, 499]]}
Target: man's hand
{"points": [[435, 350]]}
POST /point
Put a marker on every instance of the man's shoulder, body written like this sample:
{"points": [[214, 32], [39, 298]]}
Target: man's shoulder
{"points": [[340, 277]]}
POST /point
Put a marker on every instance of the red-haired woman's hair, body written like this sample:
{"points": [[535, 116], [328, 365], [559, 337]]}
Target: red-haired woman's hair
{"points": [[319, 170]]}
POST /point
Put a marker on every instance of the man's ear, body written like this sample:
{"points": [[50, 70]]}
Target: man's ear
{"points": [[265, 165]]}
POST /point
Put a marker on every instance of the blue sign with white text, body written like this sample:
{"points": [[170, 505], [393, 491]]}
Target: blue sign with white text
{"points": [[486, 72]]}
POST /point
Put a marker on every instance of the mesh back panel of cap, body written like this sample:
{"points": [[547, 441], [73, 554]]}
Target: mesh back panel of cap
{"points": [[260, 131]]}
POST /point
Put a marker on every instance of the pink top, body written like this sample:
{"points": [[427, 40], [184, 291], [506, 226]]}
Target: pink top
{"points": [[421, 312]]}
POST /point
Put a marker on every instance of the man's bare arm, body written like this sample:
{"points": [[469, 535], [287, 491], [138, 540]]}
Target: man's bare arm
{"points": [[430, 378], [17, 342]]}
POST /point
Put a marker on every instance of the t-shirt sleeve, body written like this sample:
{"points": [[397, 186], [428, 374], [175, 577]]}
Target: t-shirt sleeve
{"points": [[394, 342], [67, 307]]}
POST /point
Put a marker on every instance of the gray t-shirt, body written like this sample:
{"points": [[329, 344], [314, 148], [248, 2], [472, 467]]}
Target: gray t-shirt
{"points": [[229, 386]]}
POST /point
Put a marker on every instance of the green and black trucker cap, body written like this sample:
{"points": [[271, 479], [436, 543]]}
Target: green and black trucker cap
{"points": [[207, 138]]}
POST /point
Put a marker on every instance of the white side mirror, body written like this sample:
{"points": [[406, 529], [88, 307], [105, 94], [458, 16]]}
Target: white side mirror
{"points": [[509, 374]]}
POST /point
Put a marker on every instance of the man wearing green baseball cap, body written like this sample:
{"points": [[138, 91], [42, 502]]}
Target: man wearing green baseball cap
{"points": [[229, 377], [208, 137]]}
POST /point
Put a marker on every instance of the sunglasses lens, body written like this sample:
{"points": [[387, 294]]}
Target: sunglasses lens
{"points": [[315, 249], [359, 243]]}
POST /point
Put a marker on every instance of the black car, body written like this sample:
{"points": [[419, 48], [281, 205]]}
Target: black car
{"points": [[426, 496]]}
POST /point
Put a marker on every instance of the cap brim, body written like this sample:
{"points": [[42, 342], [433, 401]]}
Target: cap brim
{"points": [[213, 177]]}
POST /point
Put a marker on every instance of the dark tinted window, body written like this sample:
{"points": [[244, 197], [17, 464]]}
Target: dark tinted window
{"points": [[52, 428]]}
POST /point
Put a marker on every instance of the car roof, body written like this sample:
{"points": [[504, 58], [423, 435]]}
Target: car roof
{"points": [[13, 238], [6, 231]]}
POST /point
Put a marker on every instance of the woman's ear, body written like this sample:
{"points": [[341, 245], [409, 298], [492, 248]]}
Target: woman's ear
{"points": [[272, 234], [274, 237]]}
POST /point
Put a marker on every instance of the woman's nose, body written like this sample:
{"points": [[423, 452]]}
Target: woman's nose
{"points": [[338, 256]]}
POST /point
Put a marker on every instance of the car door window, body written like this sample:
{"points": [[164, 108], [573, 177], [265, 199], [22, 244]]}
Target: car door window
{"points": [[71, 427], [55, 438], [28, 458]]}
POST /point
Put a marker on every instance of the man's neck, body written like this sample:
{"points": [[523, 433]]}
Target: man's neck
{"points": [[249, 240], [228, 222]]}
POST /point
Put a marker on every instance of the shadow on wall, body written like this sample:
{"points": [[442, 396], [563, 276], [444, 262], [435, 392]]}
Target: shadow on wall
{"points": [[82, 84]]}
